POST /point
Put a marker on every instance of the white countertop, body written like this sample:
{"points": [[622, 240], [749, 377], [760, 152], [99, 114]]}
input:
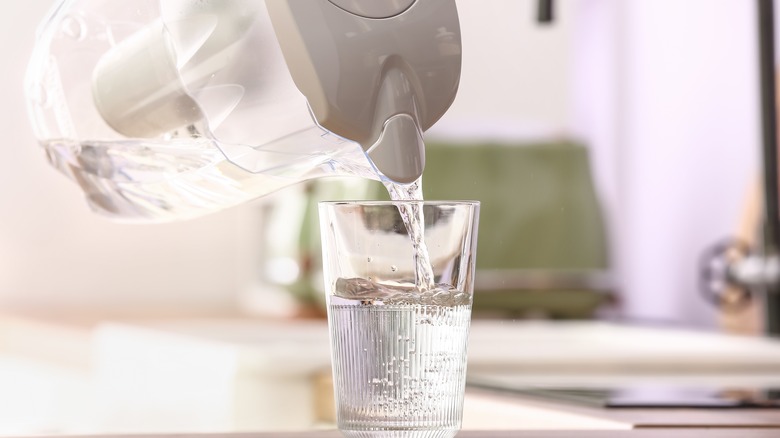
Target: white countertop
{"points": [[202, 375]]}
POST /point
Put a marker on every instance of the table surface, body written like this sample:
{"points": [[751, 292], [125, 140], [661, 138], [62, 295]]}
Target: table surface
{"points": [[642, 433], [529, 409]]}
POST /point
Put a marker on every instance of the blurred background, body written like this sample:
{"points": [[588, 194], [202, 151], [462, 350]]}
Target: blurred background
{"points": [[610, 149]]}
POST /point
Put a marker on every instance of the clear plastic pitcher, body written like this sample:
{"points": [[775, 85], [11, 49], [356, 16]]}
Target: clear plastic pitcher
{"points": [[170, 109]]}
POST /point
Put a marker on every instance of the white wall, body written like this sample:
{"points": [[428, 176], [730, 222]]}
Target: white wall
{"points": [[666, 94], [515, 73]]}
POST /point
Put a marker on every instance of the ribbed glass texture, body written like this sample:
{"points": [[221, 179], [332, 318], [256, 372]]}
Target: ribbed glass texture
{"points": [[399, 279], [399, 369]]}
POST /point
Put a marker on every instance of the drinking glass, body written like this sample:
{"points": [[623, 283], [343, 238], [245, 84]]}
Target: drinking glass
{"points": [[399, 331]]}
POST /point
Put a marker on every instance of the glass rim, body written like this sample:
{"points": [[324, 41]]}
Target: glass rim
{"points": [[376, 203]]}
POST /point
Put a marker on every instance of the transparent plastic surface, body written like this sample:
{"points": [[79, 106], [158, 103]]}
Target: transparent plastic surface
{"points": [[398, 346], [170, 109]]}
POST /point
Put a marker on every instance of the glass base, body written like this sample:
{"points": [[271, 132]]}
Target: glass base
{"points": [[408, 433]]}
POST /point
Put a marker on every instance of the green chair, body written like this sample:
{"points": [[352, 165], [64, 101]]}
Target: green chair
{"points": [[543, 247]]}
